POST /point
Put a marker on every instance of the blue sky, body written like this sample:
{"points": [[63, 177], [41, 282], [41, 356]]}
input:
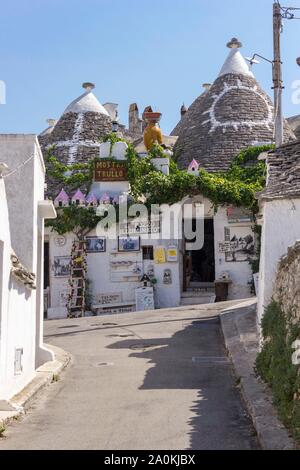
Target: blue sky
{"points": [[158, 53]]}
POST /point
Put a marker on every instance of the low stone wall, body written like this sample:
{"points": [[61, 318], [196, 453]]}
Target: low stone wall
{"points": [[287, 284]]}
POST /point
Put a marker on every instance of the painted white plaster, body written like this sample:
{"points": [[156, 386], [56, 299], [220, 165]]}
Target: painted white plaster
{"points": [[104, 279], [236, 64], [21, 229], [76, 138], [268, 122], [119, 150], [87, 102], [162, 164], [108, 280], [240, 272], [104, 149], [280, 230], [112, 109]]}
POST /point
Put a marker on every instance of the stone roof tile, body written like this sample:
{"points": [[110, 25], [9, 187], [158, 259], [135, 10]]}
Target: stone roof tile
{"points": [[234, 114], [283, 173]]}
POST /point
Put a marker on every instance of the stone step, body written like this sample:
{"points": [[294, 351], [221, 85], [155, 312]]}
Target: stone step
{"points": [[198, 293], [198, 300]]}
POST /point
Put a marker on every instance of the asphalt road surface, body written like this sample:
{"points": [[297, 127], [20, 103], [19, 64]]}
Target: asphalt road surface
{"points": [[158, 380]]}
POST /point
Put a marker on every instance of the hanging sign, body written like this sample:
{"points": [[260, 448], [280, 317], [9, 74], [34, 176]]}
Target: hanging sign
{"points": [[142, 227], [110, 170]]}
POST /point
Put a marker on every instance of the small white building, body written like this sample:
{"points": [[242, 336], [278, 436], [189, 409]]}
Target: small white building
{"points": [[280, 209], [22, 213]]}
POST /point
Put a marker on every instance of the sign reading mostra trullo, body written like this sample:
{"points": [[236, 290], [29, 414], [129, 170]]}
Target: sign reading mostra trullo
{"points": [[110, 170]]}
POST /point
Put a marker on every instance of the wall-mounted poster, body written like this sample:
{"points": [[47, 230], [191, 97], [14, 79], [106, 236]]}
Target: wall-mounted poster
{"points": [[64, 298], [139, 227], [129, 243], [172, 254], [238, 215], [109, 299], [167, 277], [95, 244], [62, 266], [144, 297], [159, 255], [242, 242]]}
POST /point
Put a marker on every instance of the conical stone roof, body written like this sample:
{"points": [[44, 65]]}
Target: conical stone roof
{"points": [[232, 115], [75, 138], [76, 135]]}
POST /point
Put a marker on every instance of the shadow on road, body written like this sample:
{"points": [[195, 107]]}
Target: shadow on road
{"points": [[195, 359]]}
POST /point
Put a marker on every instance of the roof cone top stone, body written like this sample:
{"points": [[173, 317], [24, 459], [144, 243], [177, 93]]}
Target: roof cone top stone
{"points": [[234, 44], [86, 103], [88, 86]]}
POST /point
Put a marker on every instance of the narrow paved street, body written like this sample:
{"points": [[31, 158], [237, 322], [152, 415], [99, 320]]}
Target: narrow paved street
{"points": [[138, 381]]}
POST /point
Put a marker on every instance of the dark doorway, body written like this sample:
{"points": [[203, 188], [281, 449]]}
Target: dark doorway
{"points": [[199, 265]]}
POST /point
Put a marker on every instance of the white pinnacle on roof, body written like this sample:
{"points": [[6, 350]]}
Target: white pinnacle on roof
{"points": [[86, 103], [235, 62]]}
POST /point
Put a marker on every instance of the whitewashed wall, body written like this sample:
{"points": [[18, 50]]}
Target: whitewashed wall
{"points": [[240, 272], [21, 226], [17, 320], [167, 296], [281, 229], [103, 282]]}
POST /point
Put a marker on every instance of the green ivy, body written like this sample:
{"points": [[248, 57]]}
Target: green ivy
{"points": [[113, 138], [274, 365], [71, 176], [237, 186], [76, 219]]}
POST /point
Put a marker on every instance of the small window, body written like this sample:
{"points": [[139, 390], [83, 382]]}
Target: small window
{"points": [[148, 253]]}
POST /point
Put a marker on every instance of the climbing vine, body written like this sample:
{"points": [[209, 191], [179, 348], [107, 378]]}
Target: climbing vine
{"points": [[70, 176], [75, 219], [237, 186]]}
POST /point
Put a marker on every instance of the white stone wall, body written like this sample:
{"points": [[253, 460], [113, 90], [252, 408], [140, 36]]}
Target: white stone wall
{"points": [[21, 229], [17, 319], [239, 272], [166, 296], [281, 229], [102, 279]]}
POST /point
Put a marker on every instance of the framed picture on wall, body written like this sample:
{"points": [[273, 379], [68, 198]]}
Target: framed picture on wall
{"points": [[95, 244], [129, 243], [242, 244], [62, 266]]}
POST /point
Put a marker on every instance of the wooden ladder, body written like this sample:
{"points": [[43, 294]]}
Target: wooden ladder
{"points": [[77, 281]]}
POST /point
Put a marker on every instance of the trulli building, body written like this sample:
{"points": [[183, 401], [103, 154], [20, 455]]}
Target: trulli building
{"points": [[232, 114]]}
